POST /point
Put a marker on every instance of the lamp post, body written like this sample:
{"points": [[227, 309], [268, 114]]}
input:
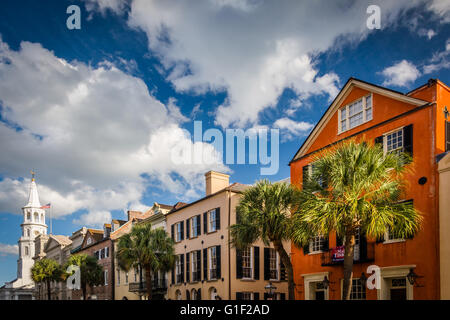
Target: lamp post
{"points": [[270, 289], [325, 282]]}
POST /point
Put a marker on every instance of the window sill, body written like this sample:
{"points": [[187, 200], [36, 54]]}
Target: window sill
{"points": [[315, 252], [394, 241], [248, 280], [211, 232]]}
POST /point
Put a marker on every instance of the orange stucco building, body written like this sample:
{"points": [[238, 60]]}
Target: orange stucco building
{"points": [[414, 122]]}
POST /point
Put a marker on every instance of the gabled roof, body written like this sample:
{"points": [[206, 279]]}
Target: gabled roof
{"points": [[60, 239], [349, 85]]}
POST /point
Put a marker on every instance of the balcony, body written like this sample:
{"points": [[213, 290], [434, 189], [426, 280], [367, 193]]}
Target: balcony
{"points": [[157, 285], [335, 255]]}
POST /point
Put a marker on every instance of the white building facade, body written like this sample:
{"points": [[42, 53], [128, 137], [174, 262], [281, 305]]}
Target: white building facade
{"points": [[22, 288]]}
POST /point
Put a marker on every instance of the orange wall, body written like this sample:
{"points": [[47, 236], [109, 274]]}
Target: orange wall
{"points": [[423, 250]]}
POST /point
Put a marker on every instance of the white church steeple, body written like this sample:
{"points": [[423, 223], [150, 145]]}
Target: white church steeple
{"points": [[32, 226]]}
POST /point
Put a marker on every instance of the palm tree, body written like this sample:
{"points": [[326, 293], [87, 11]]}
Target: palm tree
{"points": [[264, 212], [353, 188], [146, 248], [46, 271], [91, 273]]}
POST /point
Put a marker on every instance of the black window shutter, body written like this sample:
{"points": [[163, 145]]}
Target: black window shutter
{"points": [[205, 222], [217, 218], [282, 271], [339, 241], [362, 247], [412, 203], [188, 295], [379, 140], [238, 264], [187, 229], [182, 230], [172, 232], [199, 294], [306, 249], [182, 267], [238, 295], [305, 172], [282, 296], [326, 244], [408, 139], [265, 295], [173, 275], [266, 264], [255, 295], [218, 253], [205, 264], [256, 263], [199, 264], [188, 267], [199, 226]]}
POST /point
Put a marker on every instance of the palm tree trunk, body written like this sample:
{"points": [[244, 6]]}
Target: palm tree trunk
{"points": [[348, 264], [83, 289], [148, 281], [49, 293], [288, 265]]}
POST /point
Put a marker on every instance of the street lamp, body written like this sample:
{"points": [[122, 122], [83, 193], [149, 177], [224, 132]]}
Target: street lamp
{"points": [[412, 276], [270, 290], [326, 282]]}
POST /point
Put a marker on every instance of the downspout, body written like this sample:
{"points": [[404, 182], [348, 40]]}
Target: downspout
{"points": [[228, 244], [113, 284]]}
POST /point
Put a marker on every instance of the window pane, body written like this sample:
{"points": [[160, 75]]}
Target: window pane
{"points": [[246, 263]]}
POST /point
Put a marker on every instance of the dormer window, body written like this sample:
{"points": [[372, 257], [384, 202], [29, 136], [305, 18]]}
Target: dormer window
{"points": [[355, 113]]}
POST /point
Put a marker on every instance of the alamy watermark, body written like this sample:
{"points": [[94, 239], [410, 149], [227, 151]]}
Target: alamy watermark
{"points": [[234, 144]]}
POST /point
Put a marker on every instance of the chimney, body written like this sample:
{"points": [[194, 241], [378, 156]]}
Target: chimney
{"points": [[216, 181]]}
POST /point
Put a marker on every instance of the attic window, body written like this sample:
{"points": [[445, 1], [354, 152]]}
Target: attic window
{"points": [[355, 113]]}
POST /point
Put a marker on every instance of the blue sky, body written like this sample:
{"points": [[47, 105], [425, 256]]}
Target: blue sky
{"points": [[96, 111]]}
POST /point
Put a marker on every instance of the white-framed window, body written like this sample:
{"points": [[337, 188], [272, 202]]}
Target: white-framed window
{"points": [[393, 141], [194, 225], [355, 113], [358, 291], [27, 251], [316, 244], [135, 274], [118, 276], [247, 295], [212, 216], [28, 232], [106, 252], [247, 263], [178, 232], [29, 216], [126, 278], [274, 264], [390, 237], [105, 274], [89, 241], [212, 263], [178, 270], [195, 268]]}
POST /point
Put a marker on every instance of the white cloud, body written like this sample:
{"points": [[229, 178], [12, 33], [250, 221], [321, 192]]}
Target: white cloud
{"points": [[91, 132], [9, 249], [94, 218], [430, 33], [439, 60], [293, 128], [440, 8], [251, 52], [400, 74], [116, 6]]}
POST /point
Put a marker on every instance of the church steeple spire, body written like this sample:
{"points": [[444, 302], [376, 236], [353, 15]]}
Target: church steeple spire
{"points": [[33, 197]]}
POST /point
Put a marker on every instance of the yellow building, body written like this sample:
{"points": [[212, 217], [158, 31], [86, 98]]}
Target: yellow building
{"points": [[208, 267]]}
